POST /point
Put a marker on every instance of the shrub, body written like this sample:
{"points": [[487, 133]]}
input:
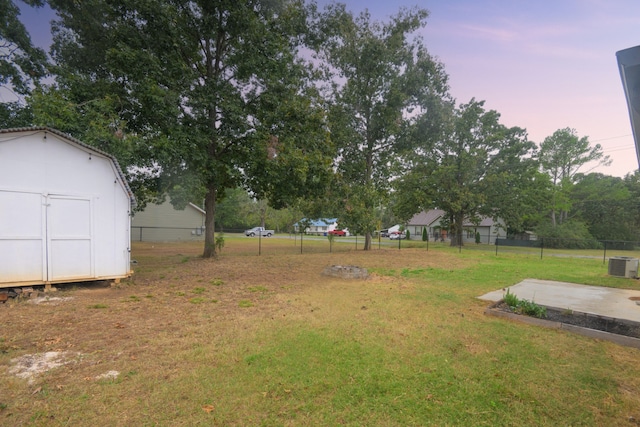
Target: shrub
{"points": [[219, 242], [523, 306], [511, 300], [530, 308], [568, 235], [425, 236]]}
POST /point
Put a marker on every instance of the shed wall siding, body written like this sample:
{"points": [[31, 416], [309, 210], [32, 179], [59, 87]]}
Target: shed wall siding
{"points": [[165, 223], [79, 192]]}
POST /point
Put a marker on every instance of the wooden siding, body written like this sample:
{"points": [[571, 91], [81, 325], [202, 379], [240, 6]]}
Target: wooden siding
{"points": [[164, 223]]}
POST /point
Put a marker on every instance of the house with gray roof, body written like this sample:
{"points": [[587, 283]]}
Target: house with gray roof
{"points": [[432, 220]]}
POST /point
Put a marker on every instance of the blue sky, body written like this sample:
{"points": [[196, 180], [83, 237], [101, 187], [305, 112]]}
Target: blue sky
{"points": [[543, 65]]}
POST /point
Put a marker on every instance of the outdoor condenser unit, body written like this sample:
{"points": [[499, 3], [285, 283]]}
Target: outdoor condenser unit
{"points": [[623, 266]]}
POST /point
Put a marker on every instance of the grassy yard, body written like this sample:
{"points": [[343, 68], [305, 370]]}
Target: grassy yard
{"points": [[267, 340]]}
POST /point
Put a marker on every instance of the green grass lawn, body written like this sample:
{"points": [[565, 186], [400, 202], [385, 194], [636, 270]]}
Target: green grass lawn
{"points": [[288, 347]]}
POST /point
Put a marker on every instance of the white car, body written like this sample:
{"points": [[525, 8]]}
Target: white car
{"points": [[397, 235]]}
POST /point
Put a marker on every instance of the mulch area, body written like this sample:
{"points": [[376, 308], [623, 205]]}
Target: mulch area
{"points": [[586, 320]]}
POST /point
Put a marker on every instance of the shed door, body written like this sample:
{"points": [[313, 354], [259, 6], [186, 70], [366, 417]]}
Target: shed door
{"points": [[22, 237], [69, 238]]}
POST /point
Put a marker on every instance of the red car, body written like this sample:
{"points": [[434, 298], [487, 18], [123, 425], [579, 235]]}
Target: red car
{"points": [[341, 233]]}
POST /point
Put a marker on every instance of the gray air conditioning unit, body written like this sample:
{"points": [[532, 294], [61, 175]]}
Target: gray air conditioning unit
{"points": [[623, 266]]}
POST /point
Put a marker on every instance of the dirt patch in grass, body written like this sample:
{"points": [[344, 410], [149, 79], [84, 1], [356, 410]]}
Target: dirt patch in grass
{"points": [[30, 366]]}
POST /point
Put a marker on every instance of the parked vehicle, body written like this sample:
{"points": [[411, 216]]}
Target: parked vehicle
{"points": [[341, 233], [397, 235], [258, 231]]}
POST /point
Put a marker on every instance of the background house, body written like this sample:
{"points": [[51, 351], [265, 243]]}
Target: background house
{"points": [[317, 226], [164, 223], [429, 220], [488, 228], [64, 210]]}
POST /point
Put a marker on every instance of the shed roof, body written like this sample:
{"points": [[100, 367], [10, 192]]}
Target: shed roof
{"points": [[69, 138]]}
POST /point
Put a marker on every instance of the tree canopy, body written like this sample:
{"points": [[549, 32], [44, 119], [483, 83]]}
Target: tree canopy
{"points": [[215, 88], [561, 156], [22, 65], [472, 170], [379, 74], [322, 112]]}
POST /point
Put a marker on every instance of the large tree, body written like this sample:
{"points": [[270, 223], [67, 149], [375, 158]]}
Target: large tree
{"points": [[97, 122], [562, 155], [22, 65], [603, 203], [477, 167], [381, 76], [212, 87]]}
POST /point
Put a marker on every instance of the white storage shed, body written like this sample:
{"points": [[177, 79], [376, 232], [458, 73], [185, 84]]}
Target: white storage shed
{"points": [[65, 210]]}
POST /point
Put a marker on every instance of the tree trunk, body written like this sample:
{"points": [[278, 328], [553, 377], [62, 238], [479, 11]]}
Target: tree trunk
{"points": [[456, 230], [367, 241], [210, 223], [263, 213]]}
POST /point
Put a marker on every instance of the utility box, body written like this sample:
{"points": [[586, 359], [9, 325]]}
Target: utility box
{"points": [[623, 266]]}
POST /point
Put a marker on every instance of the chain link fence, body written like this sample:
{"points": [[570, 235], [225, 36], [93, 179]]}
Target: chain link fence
{"points": [[302, 243]]}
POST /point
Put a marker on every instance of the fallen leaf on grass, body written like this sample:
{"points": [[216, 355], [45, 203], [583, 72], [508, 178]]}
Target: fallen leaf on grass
{"points": [[36, 391], [208, 408]]}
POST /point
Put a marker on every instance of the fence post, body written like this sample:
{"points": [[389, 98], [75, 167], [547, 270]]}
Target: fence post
{"points": [[301, 242], [259, 242], [496, 246], [604, 258], [541, 246]]}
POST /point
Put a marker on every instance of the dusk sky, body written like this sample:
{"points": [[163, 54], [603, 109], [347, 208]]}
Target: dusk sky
{"points": [[543, 65]]}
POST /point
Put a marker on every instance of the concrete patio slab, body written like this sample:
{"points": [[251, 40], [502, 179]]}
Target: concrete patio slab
{"points": [[610, 302]]}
